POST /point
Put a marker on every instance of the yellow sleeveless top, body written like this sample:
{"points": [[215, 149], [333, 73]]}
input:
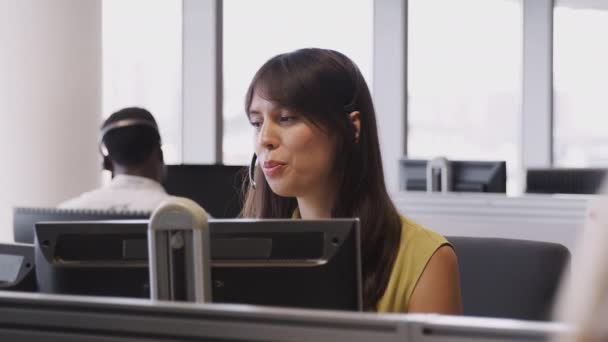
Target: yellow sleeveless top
{"points": [[416, 248]]}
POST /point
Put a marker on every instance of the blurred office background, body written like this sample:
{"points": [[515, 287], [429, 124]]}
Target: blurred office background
{"points": [[515, 80]]}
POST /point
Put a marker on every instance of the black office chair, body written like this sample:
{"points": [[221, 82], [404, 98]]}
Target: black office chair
{"points": [[25, 218], [17, 267], [509, 278]]}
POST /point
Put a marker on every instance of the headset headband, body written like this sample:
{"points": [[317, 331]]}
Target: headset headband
{"points": [[127, 123], [121, 124]]}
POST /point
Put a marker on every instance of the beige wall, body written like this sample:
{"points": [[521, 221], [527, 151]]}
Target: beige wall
{"points": [[50, 102]]}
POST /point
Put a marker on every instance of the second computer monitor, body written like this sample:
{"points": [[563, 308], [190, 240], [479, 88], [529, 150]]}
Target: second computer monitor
{"points": [[565, 180], [466, 176], [289, 263], [217, 188], [24, 218]]}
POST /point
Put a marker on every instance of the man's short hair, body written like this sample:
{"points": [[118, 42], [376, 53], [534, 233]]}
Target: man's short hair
{"points": [[131, 145]]}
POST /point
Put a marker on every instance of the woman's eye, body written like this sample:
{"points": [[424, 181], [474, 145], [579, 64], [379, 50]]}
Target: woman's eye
{"points": [[256, 124], [288, 119]]}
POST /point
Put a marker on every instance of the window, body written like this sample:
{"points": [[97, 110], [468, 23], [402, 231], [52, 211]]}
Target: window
{"points": [[255, 31], [465, 81], [142, 52], [580, 83]]}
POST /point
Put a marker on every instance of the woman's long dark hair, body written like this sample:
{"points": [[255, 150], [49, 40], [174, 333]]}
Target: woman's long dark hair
{"points": [[325, 87]]}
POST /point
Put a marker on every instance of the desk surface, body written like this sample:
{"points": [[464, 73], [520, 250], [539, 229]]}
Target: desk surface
{"points": [[73, 318]]}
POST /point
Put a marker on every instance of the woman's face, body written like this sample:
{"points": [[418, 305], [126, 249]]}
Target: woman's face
{"points": [[295, 155]]}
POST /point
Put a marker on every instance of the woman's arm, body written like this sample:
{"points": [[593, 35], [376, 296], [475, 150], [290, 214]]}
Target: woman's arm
{"points": [[438, 289]]}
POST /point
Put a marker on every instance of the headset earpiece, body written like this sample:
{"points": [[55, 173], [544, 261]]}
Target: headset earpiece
{"points": [[107, 164], [252, 171]]}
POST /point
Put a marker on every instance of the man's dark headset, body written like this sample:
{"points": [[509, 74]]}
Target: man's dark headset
{"points": [[107, 163]]}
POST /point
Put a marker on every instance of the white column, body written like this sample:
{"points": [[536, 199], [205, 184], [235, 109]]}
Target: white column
{"points": [[537, 125], [390, 83], [50, 102], [202, 87]]}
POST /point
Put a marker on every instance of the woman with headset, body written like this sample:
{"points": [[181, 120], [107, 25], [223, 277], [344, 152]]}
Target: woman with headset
{"points": [[317, 156]]}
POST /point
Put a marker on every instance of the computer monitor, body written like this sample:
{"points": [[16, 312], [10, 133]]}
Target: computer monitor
{"points": [[292, 263], [466, 176], [24, 218], [564, 180], [217, 188], [17, 267]]}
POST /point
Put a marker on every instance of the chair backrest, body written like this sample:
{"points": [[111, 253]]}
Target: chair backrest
{"points": [[509, 278], [17, 267], [25, 218]]}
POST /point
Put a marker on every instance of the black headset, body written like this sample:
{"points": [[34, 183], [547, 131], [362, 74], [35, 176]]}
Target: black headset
{"points": [[252, 171], [107, 163]]}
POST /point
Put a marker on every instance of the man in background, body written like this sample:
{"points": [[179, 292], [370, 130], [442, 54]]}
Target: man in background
{"points": [[131, 147]]}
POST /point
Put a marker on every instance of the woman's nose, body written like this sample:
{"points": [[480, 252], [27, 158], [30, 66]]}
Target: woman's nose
{"points": [[268, 137]]}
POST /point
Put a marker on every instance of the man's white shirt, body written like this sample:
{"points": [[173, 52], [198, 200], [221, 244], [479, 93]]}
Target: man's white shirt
{"points": [[124, 193]]}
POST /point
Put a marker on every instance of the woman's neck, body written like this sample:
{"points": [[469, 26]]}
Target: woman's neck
{"points": [[316, 207]]}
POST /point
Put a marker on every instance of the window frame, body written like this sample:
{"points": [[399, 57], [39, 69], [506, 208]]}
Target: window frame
{"points": [[202, 141]]}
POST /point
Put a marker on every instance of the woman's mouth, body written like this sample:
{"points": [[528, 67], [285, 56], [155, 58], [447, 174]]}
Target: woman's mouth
{"points": [[273, 168]]}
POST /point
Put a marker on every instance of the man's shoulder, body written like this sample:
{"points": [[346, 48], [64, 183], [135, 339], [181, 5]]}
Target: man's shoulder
{"points": [[117, 200], [88, 200]]}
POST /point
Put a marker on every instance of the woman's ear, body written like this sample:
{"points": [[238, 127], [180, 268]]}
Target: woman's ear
{"points": [[355, 119]]}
